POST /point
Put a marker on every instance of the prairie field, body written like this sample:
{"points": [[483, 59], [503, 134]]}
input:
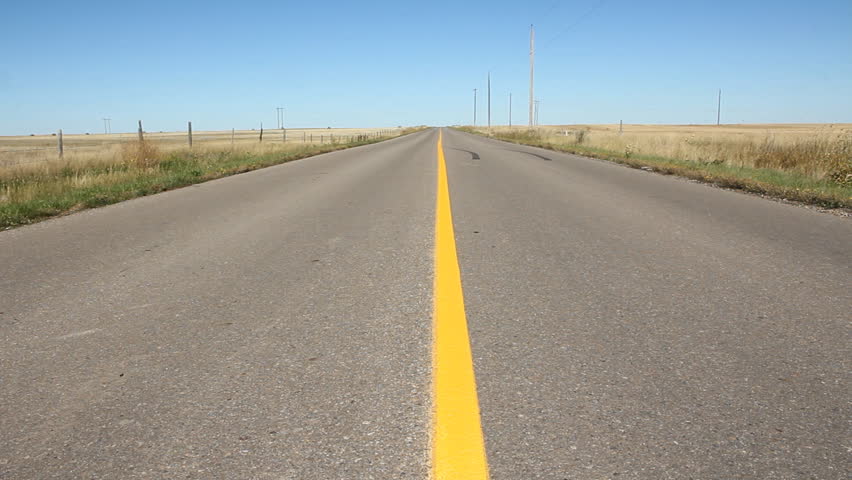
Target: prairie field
{"points": [[95, 170], [33, 149], [806, 162], [816, 150]]}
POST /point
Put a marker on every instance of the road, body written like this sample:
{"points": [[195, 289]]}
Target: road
{"points": [[279, 324]]}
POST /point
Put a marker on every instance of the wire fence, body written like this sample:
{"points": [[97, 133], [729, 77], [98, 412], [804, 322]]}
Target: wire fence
{"points": [[46, 148]]}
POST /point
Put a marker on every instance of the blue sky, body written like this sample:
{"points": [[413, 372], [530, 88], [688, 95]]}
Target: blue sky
{"points": [[229, 64]]}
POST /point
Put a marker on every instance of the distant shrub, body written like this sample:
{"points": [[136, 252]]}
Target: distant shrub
{"points": [[140, 153], [523, 135]]}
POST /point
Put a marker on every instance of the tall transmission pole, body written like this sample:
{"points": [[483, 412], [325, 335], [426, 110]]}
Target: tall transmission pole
{"points": [[532, 67], [489, 101], [719, 108], [279, 116], [107, 126], [535, 117], [474, 107], [510, 109]]}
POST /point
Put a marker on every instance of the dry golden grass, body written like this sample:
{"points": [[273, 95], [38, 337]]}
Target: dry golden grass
{"points": [[819, 151], [810, 163], [100, 148]]}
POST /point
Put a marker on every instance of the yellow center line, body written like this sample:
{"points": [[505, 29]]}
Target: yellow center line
{"points": [[458, 448]]}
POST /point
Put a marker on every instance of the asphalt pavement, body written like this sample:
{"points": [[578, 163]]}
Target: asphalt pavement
{"points": [[278, 324]]}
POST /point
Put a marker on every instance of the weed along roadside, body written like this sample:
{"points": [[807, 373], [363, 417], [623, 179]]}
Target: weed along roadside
{"points": [[32, 193], [815, 169]]}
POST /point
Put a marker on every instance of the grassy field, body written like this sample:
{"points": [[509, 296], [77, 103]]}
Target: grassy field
{"points": [[27, 149], [50, 186], [811, 163]]}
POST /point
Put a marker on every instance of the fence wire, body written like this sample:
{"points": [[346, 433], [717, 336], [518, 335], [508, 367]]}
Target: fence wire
{"points": [[27, 154]]}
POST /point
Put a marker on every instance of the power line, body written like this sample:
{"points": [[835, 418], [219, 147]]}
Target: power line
{"points": [[551, 8], [571, 26], [546, 44]]}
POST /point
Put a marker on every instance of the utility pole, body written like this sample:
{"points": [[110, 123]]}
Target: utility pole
{"points": [[474, 107], [279, 116], [532, 69], [510, 109], [489, 102], [107, 126], [719, 108], [537, 103]]}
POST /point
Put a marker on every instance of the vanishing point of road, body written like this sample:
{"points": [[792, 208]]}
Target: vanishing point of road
{"points": [[437, 305]]}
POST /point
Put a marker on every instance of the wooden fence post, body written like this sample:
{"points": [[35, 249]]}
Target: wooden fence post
{"points": [[59, 140], [141, 138], [189, 131], [261, 131], [232, 138], [284, 139]]}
